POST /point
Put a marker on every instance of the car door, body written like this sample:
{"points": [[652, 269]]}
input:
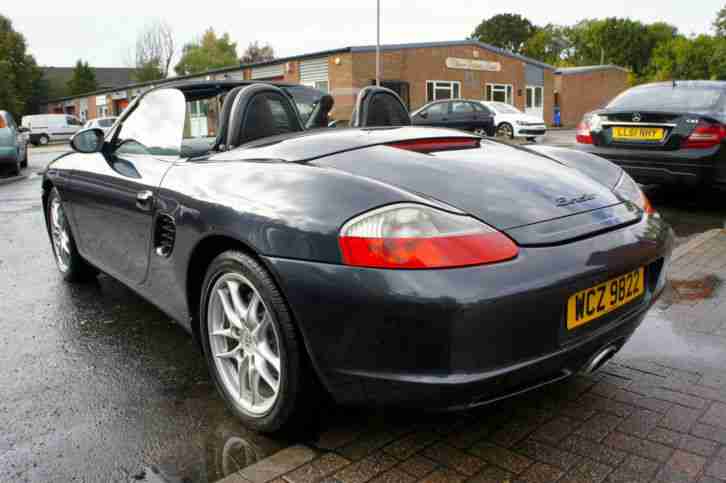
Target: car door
{"points": [[113, 193], [18, 137], [71, 125], [463, 116], [484, 118], [434, 115]]}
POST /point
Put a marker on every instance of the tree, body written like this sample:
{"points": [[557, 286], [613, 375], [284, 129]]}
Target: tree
{"points": [[720, 23], [684, 58], [508, 31], [18, 70], [210, 52], [547, 44], [83, 79], [257, 53], [154, 50]]}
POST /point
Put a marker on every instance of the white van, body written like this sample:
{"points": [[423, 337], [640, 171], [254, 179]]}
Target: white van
{"points": [[45, 128]]}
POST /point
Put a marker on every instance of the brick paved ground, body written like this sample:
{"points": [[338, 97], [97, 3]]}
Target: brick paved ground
{"points": [[657, 412]]}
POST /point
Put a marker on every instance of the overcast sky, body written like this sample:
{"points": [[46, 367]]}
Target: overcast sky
{"points": [[103, 33]]}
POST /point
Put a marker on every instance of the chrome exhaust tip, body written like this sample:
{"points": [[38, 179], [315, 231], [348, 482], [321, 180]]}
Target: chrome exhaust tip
{"points": [[599, 359]]}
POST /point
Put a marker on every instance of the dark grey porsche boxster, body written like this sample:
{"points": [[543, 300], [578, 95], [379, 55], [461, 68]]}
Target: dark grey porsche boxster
{"points": [[382, 263]]}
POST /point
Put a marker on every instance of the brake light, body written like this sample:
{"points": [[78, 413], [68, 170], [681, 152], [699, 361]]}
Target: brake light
{"points": [[439, 144], [584, 136], [705, 135], [410, 236], [2, 123]]}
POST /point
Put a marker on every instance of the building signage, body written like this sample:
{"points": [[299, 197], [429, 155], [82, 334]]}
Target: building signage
{"points": [[473, 64], [118, 95]]}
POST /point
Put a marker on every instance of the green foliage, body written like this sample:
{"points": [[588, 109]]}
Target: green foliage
{"points": [[18, 71], [720, 23], [211, 52], [684, 58], [83, 79], [547, 44], [149, 71], [508, 31]]}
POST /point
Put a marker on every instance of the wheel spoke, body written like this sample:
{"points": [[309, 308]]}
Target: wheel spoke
{"points": [[237, 303], [259, 332], [265, 374], [225, 333], [228, 309], [265, 352], [228, 355], [252, 309], [254, 377]]}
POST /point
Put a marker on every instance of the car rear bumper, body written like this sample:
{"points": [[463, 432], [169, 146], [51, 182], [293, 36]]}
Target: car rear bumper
{"points": [[463, 337], [689, 168]]}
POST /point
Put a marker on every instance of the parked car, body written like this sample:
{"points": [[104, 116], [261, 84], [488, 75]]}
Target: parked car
{"points": [[457, 114], [512, 123], [103, 123], [13, 144], [45, 128], [390, 265], [667, 132]]}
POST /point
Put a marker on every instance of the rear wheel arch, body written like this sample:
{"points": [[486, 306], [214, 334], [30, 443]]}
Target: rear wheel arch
{"points": [[205, 251]]}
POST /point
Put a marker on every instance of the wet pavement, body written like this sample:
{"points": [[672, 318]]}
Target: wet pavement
{"points": [[98, 385]]}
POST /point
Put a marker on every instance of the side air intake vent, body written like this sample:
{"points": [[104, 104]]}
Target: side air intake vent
{"points": [[164, 235]]}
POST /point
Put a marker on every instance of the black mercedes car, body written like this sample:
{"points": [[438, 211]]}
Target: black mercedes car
{"points": [[382, 263], [456, 114], [668, 132]]}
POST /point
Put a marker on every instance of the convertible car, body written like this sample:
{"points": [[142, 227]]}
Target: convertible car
{"points": [[382, 263]]}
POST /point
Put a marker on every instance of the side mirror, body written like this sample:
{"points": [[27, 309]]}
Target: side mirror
{"points": [[423, 115], [88, 140]]}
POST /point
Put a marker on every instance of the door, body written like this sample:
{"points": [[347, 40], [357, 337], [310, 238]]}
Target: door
{"points": [[434, 115], [112, 194], [534, 104], [69, 126], [463, 116]]}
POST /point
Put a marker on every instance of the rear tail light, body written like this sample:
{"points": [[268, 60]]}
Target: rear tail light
{"points": [[705, 135], [584, 136], [629, 189], [2, 123], [411, 236], [439, 144]]}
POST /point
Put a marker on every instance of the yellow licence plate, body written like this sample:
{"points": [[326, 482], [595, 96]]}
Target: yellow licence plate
{"points": [[638, 133], [589, 304]]}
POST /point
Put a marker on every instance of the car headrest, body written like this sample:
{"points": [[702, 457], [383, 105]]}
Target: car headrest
{"points": [[378, 106], [319, 116], [221, 140], [260, 111]]}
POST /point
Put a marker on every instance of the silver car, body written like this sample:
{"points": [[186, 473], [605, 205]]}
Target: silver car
{"points": [[13, 144], [103, 123]]}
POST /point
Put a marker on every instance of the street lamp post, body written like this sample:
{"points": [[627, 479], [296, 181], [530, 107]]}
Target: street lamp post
{"points": [[378, 43]]}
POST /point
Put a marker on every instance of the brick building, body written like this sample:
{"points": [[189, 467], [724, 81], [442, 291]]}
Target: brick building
{"points": [[420, 73], [582, 89]]}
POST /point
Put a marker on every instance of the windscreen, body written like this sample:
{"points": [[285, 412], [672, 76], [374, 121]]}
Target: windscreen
{"points": [[306, 98], [668, 98]]}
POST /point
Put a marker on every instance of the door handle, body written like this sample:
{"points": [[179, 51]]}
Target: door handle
{"points": [[144, 200]]}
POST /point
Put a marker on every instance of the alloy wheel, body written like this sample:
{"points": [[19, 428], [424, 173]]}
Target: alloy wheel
{"points": [[505, 130], [60, 235], [244, 343]]}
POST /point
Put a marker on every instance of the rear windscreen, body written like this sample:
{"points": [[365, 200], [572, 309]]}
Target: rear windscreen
{"points": [[668, 98]]}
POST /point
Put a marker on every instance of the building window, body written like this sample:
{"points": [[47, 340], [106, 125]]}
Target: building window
{"points": [[535, 96], [322, 86], [440, 90], [499, 93]]}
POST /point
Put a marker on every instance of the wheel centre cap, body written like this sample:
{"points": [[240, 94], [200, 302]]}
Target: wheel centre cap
{"points": [[248, 343]]}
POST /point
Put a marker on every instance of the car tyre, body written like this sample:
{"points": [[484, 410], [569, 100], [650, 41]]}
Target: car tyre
{"points": [[505, 130], [71, 265], [43, 140], [252, 349], [24, 164], [480, 131]]}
